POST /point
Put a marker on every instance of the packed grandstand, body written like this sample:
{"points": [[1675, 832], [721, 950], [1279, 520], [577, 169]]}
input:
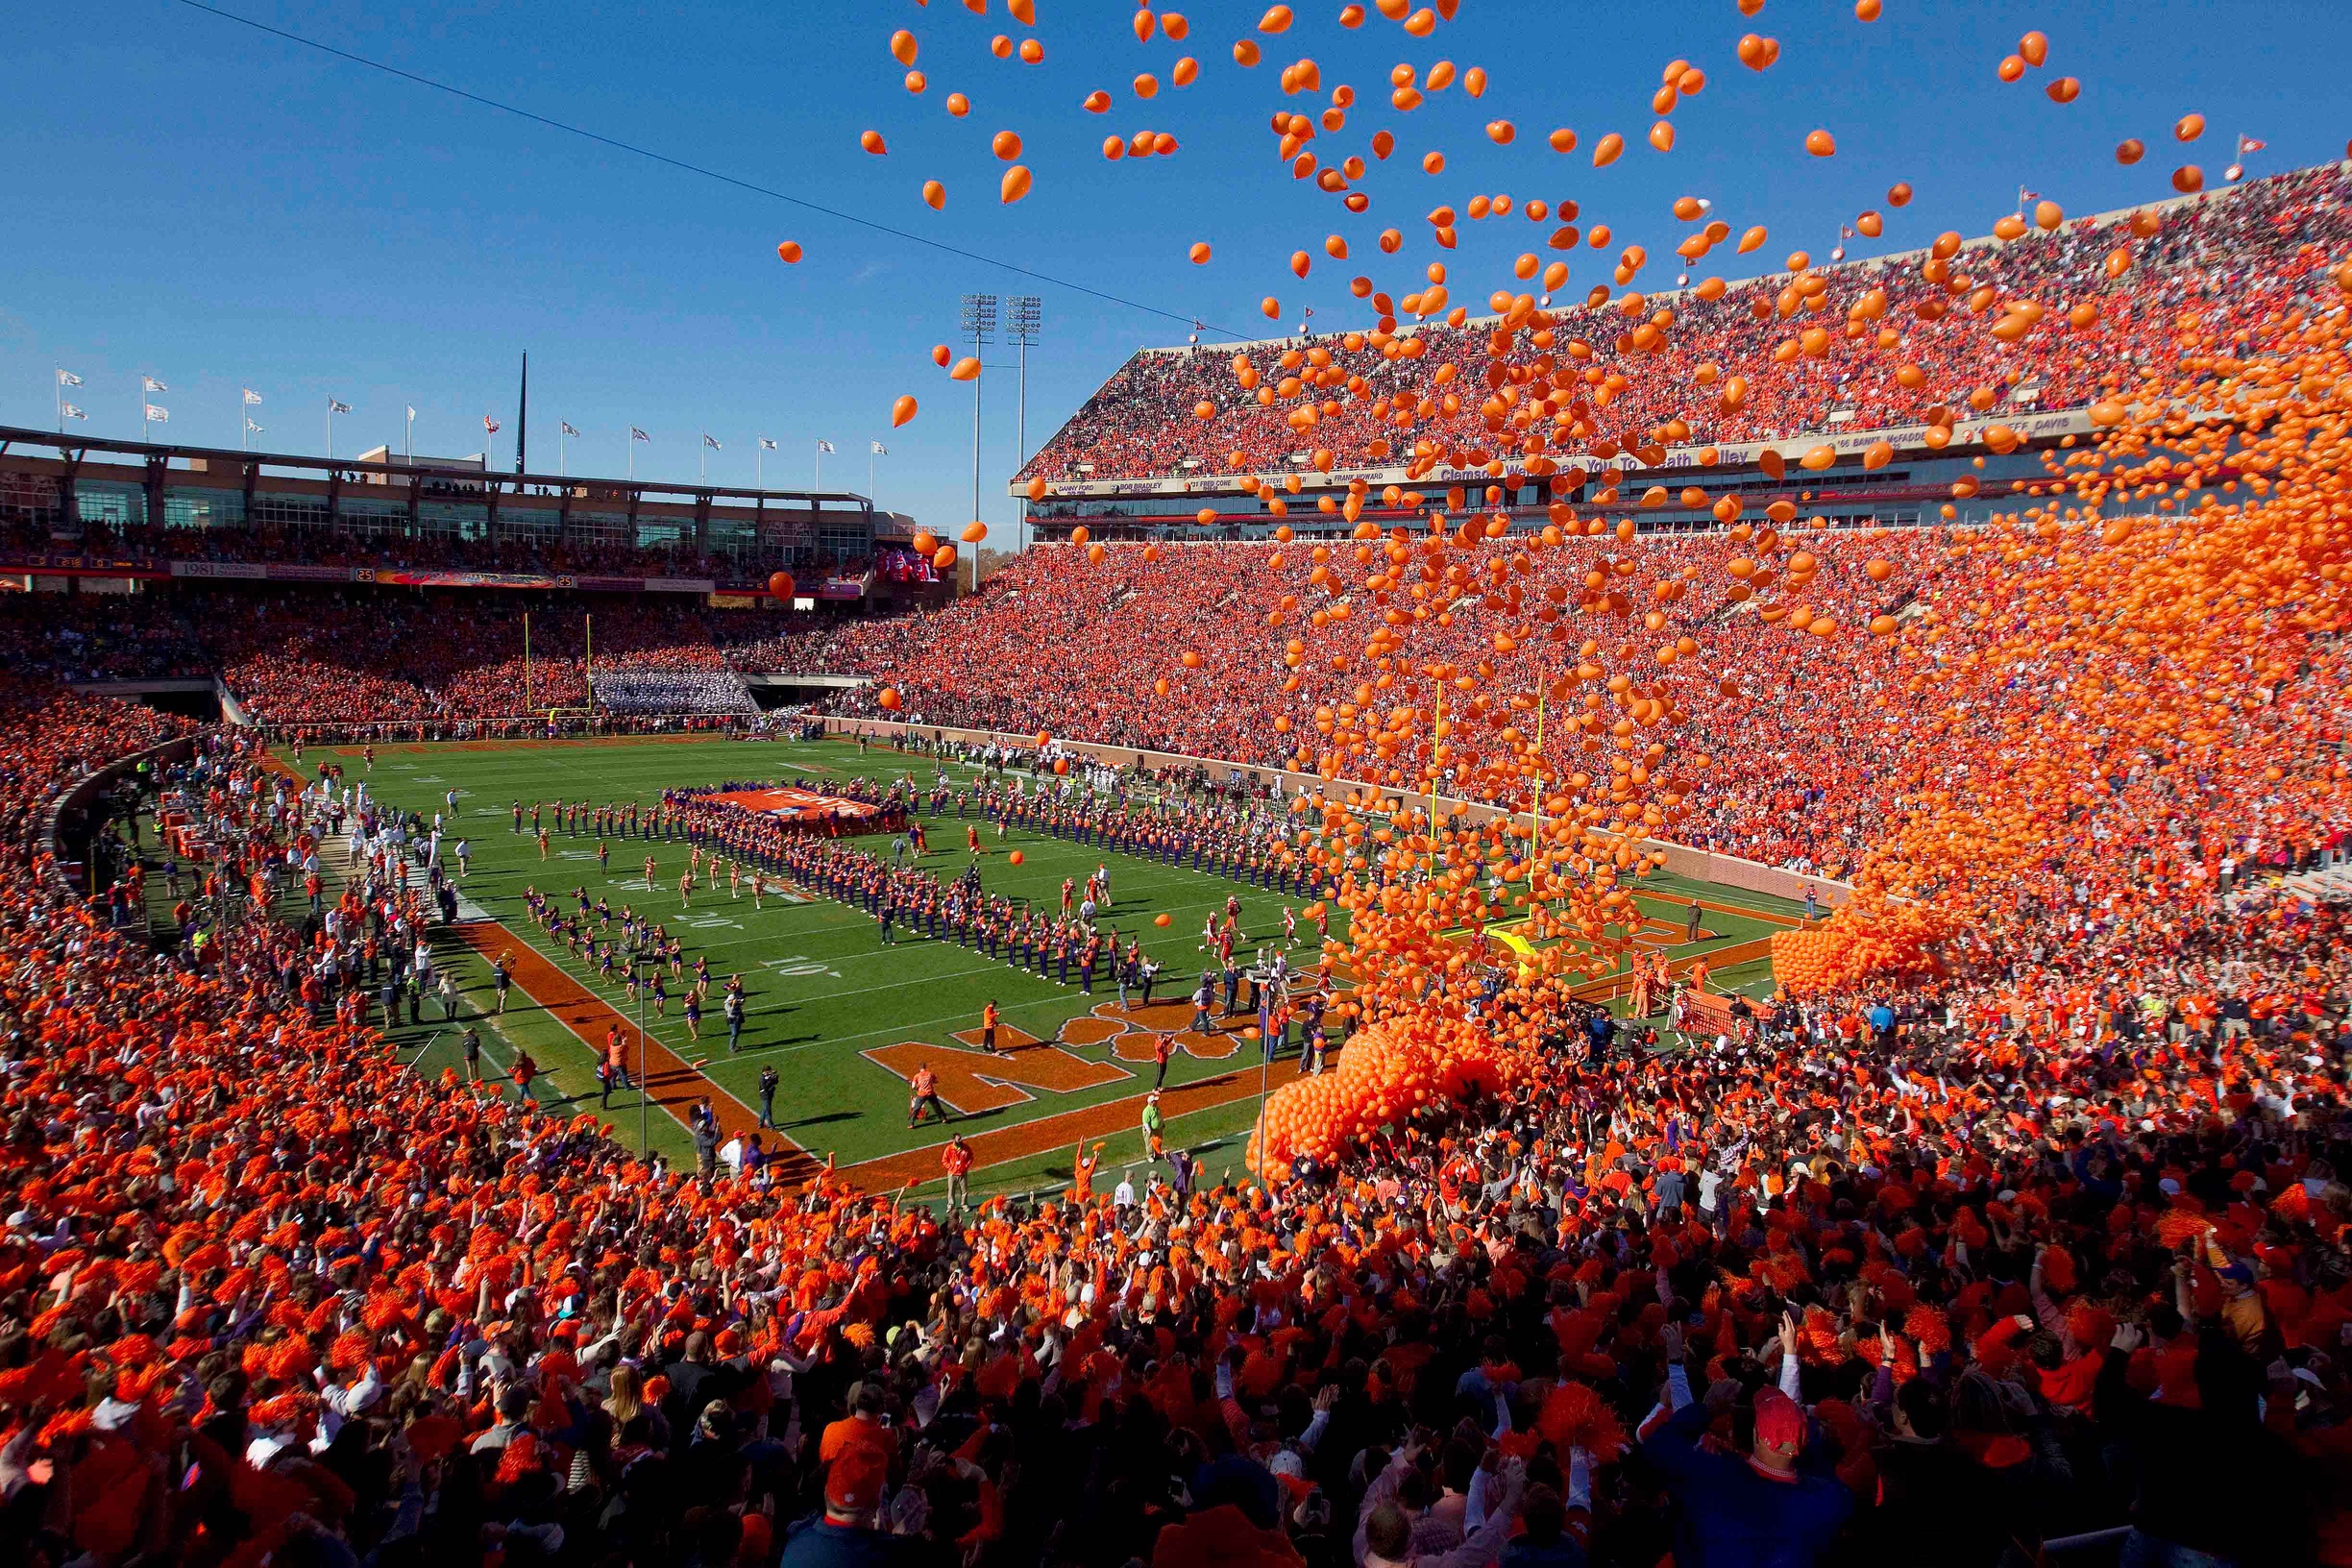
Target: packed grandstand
{"points": [[2014, 1224], [2241, 255]]}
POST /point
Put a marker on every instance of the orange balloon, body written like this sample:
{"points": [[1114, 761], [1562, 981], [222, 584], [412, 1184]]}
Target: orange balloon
{"points": [[933, 195], [1276, 20], [975, 532], [1014, 184], [1820, 143], [1606, 149], [966, 369], [872, 141], [1159, 920], [958, 105], [1016, 858], [2190, 128], [1005, 145], [789, 250], [891, 700], [1200, 252], [901, 411]]}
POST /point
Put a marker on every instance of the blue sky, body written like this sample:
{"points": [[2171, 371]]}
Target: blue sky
{"points": [[221, 210]]}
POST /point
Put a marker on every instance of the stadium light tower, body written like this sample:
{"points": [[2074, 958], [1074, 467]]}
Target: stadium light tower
{"points": [[1024, 321], [979, 328]]}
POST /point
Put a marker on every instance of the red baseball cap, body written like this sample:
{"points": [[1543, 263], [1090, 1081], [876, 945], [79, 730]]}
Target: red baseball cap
{"points": [[854, 1484], [1779, 1422]]}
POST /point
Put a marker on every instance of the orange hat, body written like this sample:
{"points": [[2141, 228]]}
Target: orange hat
{"points": [[854, 1484]]}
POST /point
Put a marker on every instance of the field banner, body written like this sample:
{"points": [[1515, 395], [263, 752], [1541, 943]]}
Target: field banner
{"points": [[243, 571], [798, 805], [420, 577]]}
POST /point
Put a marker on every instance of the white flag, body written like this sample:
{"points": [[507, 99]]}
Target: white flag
{"points": [[153, 385], [251, 396], [412, 411], [72, 411], [765, 442], [254, 429], [636, 435], [879, 449], [158, 416], [710, 443], [67, 378], [824, 445], [568, 427], [336, 406]]}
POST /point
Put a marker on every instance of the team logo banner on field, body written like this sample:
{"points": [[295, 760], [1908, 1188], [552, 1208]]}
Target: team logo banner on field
{"points": [[798, 805]]}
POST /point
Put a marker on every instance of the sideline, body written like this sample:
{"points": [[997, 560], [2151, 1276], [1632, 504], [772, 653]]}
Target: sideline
{"points": [[672, 1081]]}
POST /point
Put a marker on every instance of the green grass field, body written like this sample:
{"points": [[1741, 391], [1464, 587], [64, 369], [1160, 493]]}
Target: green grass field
{"points": [[823, 989]]}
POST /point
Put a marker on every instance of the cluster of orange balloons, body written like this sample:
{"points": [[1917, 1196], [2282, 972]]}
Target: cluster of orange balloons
{"points": [[1390, 1069]]}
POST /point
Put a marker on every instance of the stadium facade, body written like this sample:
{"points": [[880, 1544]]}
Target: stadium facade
{"points": [[74, 507]]}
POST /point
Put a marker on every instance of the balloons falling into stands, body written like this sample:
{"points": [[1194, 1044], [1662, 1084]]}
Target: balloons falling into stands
{"points": [[975, 532], [891, 700], [780, 584], [1436, 649]]}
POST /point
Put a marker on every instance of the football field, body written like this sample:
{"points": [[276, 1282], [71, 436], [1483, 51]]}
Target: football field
{"points": [[842, 1018]]}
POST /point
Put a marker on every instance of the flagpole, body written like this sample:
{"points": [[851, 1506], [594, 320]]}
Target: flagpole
{"points": [[705, 469], [632, 446], [870, 470], [819, 465], [331, 429], [759, 444], [408, 441], [243, 419], [560, 427], [57, 391]]}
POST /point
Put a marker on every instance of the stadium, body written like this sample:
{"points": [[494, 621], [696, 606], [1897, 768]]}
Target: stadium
{"points": [[1703, 926]]}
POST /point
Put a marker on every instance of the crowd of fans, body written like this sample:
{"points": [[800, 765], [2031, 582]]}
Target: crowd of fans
{"points": [[1810, 738], [2239, 253], [368, 656], [2050, 1246], [94, 637], [2038, 1253]]}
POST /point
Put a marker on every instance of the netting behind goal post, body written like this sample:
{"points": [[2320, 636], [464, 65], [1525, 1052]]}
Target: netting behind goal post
{"points": [[673, 691]]}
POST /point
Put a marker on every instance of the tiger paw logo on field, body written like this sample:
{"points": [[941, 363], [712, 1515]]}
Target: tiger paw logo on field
{"points": [[1131, 1031], [972, 1081]]}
